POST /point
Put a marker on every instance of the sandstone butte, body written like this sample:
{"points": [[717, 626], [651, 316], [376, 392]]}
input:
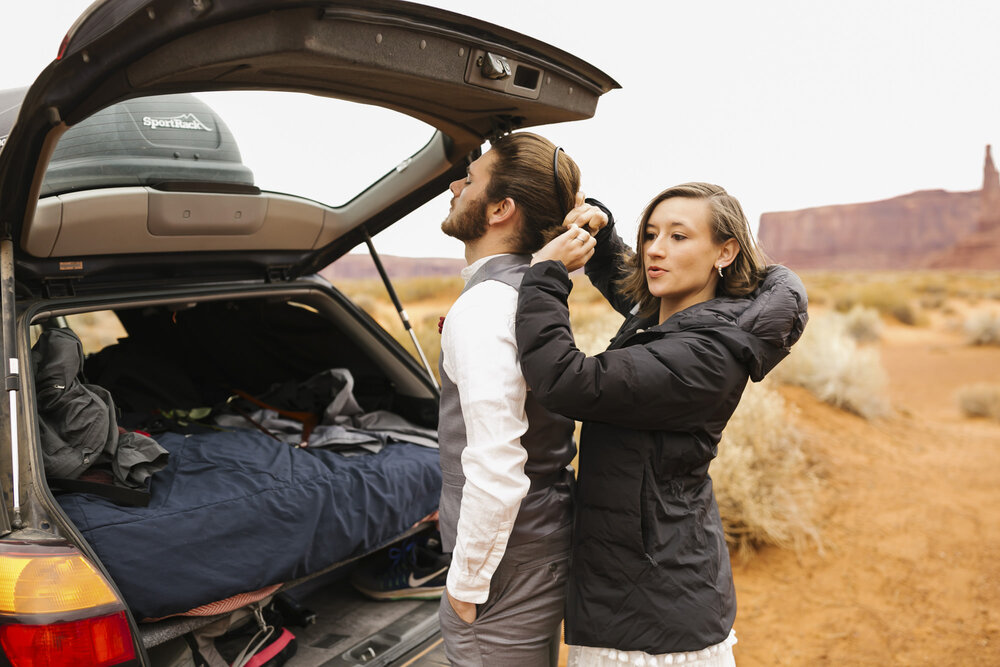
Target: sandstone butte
{"points": [[929, 229]]}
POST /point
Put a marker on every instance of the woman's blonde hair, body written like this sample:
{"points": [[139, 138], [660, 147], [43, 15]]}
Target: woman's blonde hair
{"points": [[729, 221]]}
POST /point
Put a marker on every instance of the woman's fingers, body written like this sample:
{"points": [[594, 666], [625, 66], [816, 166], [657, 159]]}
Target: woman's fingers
{"points": [[586, 215], [573, 248], [578, 246], [597, 221]]}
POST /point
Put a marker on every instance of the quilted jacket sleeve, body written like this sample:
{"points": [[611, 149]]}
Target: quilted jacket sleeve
{"points": [[608, 263], [671, 382]]}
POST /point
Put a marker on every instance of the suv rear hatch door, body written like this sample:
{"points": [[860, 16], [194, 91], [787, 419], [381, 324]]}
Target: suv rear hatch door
{"points": [[467, 79]]}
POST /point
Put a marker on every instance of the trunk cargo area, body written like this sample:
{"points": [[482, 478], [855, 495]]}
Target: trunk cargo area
{"points": [[222, 381]]}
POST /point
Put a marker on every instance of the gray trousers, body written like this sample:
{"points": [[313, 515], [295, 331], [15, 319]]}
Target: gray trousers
{"points": [[518, 625]]}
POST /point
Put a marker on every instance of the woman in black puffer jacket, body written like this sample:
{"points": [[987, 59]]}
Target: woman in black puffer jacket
{"points": [[650, 573]]}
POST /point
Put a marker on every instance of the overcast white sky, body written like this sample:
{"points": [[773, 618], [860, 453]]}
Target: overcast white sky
{"points": [[788, 104]]}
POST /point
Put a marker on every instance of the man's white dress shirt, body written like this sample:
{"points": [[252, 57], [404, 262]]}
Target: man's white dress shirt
{"points": [[480, 357]]}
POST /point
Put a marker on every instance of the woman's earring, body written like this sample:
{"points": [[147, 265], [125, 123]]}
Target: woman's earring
{"points": [[719, 267]]}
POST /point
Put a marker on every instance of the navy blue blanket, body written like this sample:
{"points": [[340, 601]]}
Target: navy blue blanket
{"points": [[234, 512]]}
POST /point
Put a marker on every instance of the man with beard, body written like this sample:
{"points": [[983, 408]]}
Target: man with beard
{"points": [[505, 510]]}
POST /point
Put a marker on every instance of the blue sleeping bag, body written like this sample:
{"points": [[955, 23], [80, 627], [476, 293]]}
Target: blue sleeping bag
{"points": [[236, 511]]}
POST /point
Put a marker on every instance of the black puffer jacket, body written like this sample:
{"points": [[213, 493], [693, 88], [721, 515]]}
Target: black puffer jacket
{"points": [[650, 569]]}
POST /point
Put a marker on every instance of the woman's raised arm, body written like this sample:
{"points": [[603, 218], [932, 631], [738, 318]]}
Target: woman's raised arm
{"points": [[672, 383], [608, 262]]}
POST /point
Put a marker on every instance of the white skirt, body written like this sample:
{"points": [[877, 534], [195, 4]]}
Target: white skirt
{"points": [[719, 655]]}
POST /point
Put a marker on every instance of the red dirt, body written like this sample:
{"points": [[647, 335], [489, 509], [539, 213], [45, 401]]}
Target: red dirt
{"points": [[911, 528]]}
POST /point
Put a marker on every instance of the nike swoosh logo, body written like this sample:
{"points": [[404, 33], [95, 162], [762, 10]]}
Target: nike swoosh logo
{"points": [[417, 583]]}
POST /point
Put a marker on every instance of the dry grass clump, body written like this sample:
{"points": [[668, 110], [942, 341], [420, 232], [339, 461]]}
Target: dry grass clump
{"points": [[982, 328], [933, 301], [425, 299], [409, 290], [429, 288], [863, 324], [828, 361], [765, 486], [584, 293], [929, 289], [893, 302], [426, 330], [819, 297], [980, 400], [593, 320]]}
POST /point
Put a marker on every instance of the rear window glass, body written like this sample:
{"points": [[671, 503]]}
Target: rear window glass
{"points": [[97, 329], [315, 147]]}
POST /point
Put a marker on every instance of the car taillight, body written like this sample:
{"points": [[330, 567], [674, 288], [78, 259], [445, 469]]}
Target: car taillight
{"points": [[56, 609], [96, 642]]}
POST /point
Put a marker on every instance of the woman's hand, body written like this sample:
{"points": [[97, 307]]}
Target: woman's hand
{"points": [[590, 217], [573, 248]]}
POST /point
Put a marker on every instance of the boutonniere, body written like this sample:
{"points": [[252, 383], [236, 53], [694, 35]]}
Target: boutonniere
{"points": [[441, 324]]}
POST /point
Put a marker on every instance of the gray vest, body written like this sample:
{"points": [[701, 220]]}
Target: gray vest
{"points": [[548, 441]]}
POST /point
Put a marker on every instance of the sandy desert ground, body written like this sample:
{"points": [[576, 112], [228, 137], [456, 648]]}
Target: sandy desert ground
{"points": [[910, 525]]}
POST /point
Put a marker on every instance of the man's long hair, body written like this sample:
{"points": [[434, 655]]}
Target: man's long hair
{"points": [[524, 171]]}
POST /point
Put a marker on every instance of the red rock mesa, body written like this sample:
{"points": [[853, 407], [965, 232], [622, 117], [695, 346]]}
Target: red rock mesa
{"points": [[926, 229]]}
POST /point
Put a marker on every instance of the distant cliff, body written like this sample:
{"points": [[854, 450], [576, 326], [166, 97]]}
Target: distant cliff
{"points": [[926, 229], [361, 267]]}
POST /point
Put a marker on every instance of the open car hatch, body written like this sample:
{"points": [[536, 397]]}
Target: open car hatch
{"points": [[107, 212]]}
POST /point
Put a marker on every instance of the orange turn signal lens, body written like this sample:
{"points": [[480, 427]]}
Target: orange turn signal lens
{"points": [[58, 610], [42, 579]]}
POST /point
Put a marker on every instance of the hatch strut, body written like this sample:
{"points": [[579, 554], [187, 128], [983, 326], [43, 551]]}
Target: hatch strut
{"points": [[399, 307], [11, 375]]}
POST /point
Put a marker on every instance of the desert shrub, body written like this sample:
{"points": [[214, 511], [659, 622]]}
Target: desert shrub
{"points": [[845, 288], [908, 313], [897, 306], [425, 328], [592, 318], [828, 362], [584, 292], [982, 328], [933, 301], [765, 486], [862, 324], [593, 328], [932, 288], [980, 400], [818, 296], [366, 302], [413, 290], [409, 290], [891, 300], [358, 289]]}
